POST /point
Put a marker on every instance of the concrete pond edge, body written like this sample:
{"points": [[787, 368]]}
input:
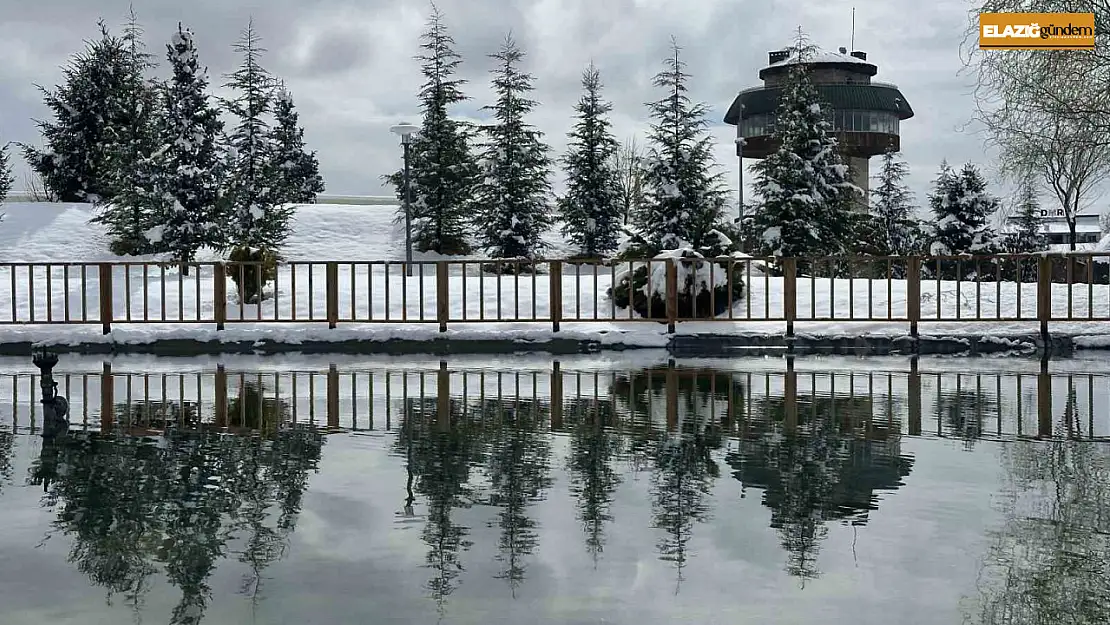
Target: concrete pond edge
{"points": [[686, 345]]}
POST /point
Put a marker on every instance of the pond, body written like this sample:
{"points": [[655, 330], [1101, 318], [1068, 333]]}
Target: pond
{"points": [[590, 490]]}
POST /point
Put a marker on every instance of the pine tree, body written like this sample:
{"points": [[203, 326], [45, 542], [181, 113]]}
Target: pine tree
{"points": [[298, 170], [187, 164], [684, 200], [961, 209], [591, 210], [6, 179], [255, 220], [804, 186], [515, 195], [443, 171], [90, 111], [133, 209], [892, 207], [1027, 236]]}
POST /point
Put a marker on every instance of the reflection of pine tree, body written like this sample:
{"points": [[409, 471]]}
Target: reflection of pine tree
{"points": [[440, 458], [518, 467], [684, 475], [132, 504], [819, 471], [1050, 561], [7, 448], [964, 411], [593, 447]]}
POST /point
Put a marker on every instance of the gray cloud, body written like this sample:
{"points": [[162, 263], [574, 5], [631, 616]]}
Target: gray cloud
{"points": [[350, 64]]}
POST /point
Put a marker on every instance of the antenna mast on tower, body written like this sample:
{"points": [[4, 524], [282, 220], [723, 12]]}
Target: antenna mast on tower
{"points": [[853, 30]]}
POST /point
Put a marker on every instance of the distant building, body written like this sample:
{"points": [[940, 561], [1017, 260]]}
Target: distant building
{"points": [[865, 115], [1054, 227]]}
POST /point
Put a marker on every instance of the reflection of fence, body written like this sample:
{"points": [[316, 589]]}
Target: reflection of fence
{"points": [[873, 405], [1034, 288]]}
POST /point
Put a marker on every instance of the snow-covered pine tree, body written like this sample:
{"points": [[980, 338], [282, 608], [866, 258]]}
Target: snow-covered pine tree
{"points": [[515, 196], [1027, 236], [684, 200], [6, 179], [592, 210], [89, 114], [255, 220], [443, 170], [187, 163], [892, 207], [805, 189], [131, 213], [961, 210], [255, 225], [298, 171]]}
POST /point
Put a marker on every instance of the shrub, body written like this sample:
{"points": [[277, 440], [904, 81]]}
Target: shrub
{"points": [[703, 286], [251, 269]]}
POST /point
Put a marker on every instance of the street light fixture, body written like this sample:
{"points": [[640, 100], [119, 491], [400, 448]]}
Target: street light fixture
{"points": [[406, 131]]}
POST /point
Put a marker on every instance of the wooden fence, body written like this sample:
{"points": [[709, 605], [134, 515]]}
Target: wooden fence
{"points": [[1006, 288]]}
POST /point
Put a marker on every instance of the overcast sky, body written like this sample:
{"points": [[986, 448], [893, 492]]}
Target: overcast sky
{"points": [[349, 62]]}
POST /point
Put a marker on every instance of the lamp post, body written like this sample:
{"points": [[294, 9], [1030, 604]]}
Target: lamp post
{"points": [[405, 131]]}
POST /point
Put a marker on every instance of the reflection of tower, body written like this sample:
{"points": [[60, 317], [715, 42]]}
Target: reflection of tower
{"points": [[865, 114]]}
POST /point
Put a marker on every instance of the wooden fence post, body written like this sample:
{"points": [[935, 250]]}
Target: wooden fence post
{"points": [[790, 296], [219, 294], [555, 293], [672, 294], [105, 280], [913, 294], [1044, 296], [443, 309], [331, 293]]}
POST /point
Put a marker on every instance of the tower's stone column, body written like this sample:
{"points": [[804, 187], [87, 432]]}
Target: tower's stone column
{"points": [[861, 173]]}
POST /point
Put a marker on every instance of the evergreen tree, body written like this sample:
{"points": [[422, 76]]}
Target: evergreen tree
{"points": [[297, 169], [443, 171], [805, 188], [91, 115], [133, 207], [515, 195], [6, 179], [961, 209], [1027, 236], [255, 220], [186, 166], [591, 210], [892, 207], [684, 200]]}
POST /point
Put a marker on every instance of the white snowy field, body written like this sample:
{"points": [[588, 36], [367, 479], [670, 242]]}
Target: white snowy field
{"points": [[376, 300]]}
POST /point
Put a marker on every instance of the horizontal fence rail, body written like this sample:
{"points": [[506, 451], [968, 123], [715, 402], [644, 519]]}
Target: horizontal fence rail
{"points": [[1037, 288], [873, 404]]}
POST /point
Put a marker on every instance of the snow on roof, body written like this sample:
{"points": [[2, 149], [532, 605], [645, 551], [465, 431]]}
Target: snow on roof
{"points": [[819, 56]]}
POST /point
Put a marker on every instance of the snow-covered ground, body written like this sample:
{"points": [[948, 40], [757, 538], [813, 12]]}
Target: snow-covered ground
{"points": [[380, 302]]}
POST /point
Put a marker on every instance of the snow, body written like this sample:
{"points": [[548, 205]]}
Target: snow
{"points": [[820, 56], [58, 233]]}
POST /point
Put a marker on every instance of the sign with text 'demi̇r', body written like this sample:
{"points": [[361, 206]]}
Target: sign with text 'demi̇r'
{"points": [[1037, 31]]}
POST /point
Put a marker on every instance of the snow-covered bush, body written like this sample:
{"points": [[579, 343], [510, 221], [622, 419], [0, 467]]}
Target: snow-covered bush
{"points": [[251, 269], [703, 285]]}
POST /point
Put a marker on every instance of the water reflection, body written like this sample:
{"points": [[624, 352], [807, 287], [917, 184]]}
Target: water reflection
{"points": [[168, 476]]}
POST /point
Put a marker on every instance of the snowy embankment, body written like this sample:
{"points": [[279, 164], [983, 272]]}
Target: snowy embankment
{"points": [[377, 302]]}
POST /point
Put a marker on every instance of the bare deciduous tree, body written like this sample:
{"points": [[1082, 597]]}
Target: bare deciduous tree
{"points": [[35, 188], [1069, 157], [629, 160], [1048, 111]]}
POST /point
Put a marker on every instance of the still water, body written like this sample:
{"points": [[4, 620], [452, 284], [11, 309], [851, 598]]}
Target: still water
{"points": [[743, 491]]}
